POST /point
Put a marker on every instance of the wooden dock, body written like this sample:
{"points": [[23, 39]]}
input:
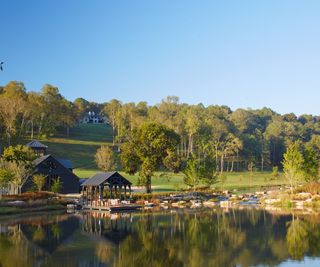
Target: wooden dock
{"points": [[114, 208]]}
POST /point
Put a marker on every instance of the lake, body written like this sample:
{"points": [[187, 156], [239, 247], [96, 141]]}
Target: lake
{"points": [[184, 237]]}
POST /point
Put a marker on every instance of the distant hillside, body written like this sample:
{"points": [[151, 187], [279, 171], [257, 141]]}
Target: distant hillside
{"points": [[81, 146]]}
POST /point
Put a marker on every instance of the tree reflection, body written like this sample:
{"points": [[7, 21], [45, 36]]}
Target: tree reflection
{"points": [[56, 230], [214, 238], [39, 234], [297, 238], [210, 238], [14, 249], [32, 239], [104, 252], [182, 238]]}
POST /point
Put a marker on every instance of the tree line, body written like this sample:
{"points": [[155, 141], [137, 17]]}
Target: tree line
{"points": [[38, 114], [236, 140]]}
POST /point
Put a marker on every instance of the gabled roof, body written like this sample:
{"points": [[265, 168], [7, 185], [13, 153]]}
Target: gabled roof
{"points": [[39, 160], [66, 163], [36, 144], [103, 177]]}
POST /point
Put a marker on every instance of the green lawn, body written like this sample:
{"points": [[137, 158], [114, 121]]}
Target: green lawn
{"points": [[160, 182], [241, 181], [81, 145], [245, 181], [84, 140]]}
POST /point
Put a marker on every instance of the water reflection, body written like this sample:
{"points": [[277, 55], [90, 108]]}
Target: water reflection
{"points": [[171, 238]]}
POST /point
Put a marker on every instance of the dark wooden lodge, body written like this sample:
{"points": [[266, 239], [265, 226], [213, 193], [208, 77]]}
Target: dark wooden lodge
{"points": [[103, 187], [38, 148], [53, 169]]}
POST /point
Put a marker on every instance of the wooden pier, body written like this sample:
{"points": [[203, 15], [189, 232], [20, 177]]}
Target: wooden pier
{"points": [[114, 208]]}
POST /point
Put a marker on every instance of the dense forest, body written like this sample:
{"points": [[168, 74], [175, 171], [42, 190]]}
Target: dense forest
{"points": [[238, 140]]}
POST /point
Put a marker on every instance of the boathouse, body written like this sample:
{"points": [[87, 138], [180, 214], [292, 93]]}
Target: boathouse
{"points": [[103, 187], [52, 169]]}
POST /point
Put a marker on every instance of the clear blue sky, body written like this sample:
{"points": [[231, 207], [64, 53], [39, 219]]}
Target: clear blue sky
{"points": [[236, 53]]}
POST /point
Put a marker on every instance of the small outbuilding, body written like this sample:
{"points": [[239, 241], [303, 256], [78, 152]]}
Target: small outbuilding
{"points": [[110, 185], [38, 148]]}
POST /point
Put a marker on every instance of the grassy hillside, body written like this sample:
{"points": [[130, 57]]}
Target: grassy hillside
{"points": [[81, 145]]}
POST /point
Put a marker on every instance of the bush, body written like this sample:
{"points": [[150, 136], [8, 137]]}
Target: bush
{"points": [[275, 173], [29, 195], [39, 180], [57, 186], [312, 188], [141, 196], [149, 197]]}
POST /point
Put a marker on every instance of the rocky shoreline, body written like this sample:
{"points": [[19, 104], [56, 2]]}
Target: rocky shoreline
{"points": [[269, 200]]}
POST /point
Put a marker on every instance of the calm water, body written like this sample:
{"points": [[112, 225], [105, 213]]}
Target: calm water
{"points": [[163, 238]]}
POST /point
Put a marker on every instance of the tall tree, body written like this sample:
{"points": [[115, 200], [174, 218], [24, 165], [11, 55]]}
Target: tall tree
{"points": [[147, 150], [193, 121], [293, 164], [111, 109], [12, 108], [81, 107], [35, 113], [310, 165], [274, 134]]}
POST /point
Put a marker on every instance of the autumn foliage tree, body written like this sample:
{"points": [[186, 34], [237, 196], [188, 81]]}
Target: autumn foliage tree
{"points": [[105, 158], [12, 108], [17, 161]]}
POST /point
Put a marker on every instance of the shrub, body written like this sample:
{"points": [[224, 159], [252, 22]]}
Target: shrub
{"points": [[39, 181], [29, 195], [275, 173], [312, 188], [57, 186]]}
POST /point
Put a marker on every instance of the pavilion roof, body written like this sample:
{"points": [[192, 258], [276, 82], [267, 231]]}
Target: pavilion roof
{"points": [[36, 144], [113, 178]]}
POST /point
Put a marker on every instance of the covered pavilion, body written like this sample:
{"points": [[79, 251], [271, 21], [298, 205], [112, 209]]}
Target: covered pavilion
{"points": [[102, 188]]}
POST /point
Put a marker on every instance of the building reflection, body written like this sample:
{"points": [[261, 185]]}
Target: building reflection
{"points": [[113, 228]]}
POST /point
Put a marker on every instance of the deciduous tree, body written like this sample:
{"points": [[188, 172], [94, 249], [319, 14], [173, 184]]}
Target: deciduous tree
{"points": [[192, 173], [39, 180], [310, 165], [293, 164], [147, 149], [5, 176], [105, 158]]}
